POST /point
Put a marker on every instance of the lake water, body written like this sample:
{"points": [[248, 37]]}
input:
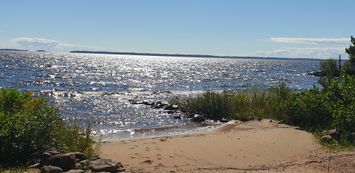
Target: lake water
{"points": [[98, 87]]}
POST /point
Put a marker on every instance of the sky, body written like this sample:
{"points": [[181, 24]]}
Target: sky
{"points": [[269, 28]]}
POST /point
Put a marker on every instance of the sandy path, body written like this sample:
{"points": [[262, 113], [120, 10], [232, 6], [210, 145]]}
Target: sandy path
{"points": [[253, 146]]}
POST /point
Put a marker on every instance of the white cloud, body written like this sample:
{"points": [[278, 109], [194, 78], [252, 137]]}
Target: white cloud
{"points": [[32, 43], [314, 52], [311, 40]]}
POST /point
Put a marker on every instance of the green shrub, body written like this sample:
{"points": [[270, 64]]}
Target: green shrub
{"points": [[330, 70], [30, 125]]}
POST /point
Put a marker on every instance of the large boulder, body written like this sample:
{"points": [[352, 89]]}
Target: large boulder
{"points": [[66, 161], [106, 165], [51, 169]]}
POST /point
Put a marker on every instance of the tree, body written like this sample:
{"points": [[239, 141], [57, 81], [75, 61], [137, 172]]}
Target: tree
{"points": [[351, 52]]}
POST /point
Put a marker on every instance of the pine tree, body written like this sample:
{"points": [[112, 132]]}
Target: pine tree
{"points": [[351, 52]]}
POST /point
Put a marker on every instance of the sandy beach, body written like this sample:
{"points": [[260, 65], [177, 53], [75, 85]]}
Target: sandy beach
{"points": [[256, 146]]}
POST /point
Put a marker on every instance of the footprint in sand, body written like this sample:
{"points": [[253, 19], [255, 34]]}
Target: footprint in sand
{"points": [[148, 161], [147, 149]]}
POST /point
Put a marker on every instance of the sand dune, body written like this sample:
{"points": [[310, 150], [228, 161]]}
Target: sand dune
{"points": [[256, 146]]}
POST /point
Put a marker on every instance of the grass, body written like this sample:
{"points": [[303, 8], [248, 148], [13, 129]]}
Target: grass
{"points": [[314, 110]]}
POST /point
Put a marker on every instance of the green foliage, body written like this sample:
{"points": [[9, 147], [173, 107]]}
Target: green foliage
{"points": [[329, 68], [350, 65], [30, 125], [351, 50]]}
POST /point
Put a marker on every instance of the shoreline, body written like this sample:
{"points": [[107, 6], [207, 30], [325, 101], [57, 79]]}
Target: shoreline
{"points": [[253, 146]]}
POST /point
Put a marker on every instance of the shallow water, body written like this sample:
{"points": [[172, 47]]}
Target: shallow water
{"points": [[98, 87]]}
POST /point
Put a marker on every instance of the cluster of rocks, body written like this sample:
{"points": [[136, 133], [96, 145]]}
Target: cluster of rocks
{"points": [[172, 108], [317, 73], [75, 162], [168, 108]]}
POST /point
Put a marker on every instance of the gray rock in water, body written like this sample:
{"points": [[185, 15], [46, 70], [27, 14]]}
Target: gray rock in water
{"points": [[158, 105], [171, 107], [177, 117], [66, 161], [106, 165], [51, 169], [198, 118]]}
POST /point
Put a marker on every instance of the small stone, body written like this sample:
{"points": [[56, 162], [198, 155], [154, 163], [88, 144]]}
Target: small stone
{"points": [[198, 118], [51, 169], [326, 138], [171, 107], [75, 171], [177, 117], [36, 165], [105, 165]]}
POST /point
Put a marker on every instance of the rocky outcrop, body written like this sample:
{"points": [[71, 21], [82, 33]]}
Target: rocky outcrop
{"points": [[75, 162]]}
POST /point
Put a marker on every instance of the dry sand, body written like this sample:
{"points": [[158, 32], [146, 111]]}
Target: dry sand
{"points": [[256, 146]]}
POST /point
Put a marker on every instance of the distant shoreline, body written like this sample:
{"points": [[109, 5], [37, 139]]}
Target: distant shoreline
{"points": [[183, 55], [19, 50]]}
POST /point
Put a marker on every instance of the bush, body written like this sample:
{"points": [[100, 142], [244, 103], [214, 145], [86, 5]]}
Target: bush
{"points": [[30, 125], [329, 68]]}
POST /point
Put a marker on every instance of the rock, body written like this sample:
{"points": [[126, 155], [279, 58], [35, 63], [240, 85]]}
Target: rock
{"points": [[326, 138], [135, 102], [106, 165], [51, 169], [66, 161], [158, 105], [53, 151], [170, 112], [177, 117], [171, 107], [147, 103], [317, 73], [36, 165], [44, 158], [83, 164], [75, 171], [223, 120], [78, 155], [198, 118]]}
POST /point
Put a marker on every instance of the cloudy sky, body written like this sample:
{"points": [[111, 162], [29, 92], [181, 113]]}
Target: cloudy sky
{"points": [[277, 28]]}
